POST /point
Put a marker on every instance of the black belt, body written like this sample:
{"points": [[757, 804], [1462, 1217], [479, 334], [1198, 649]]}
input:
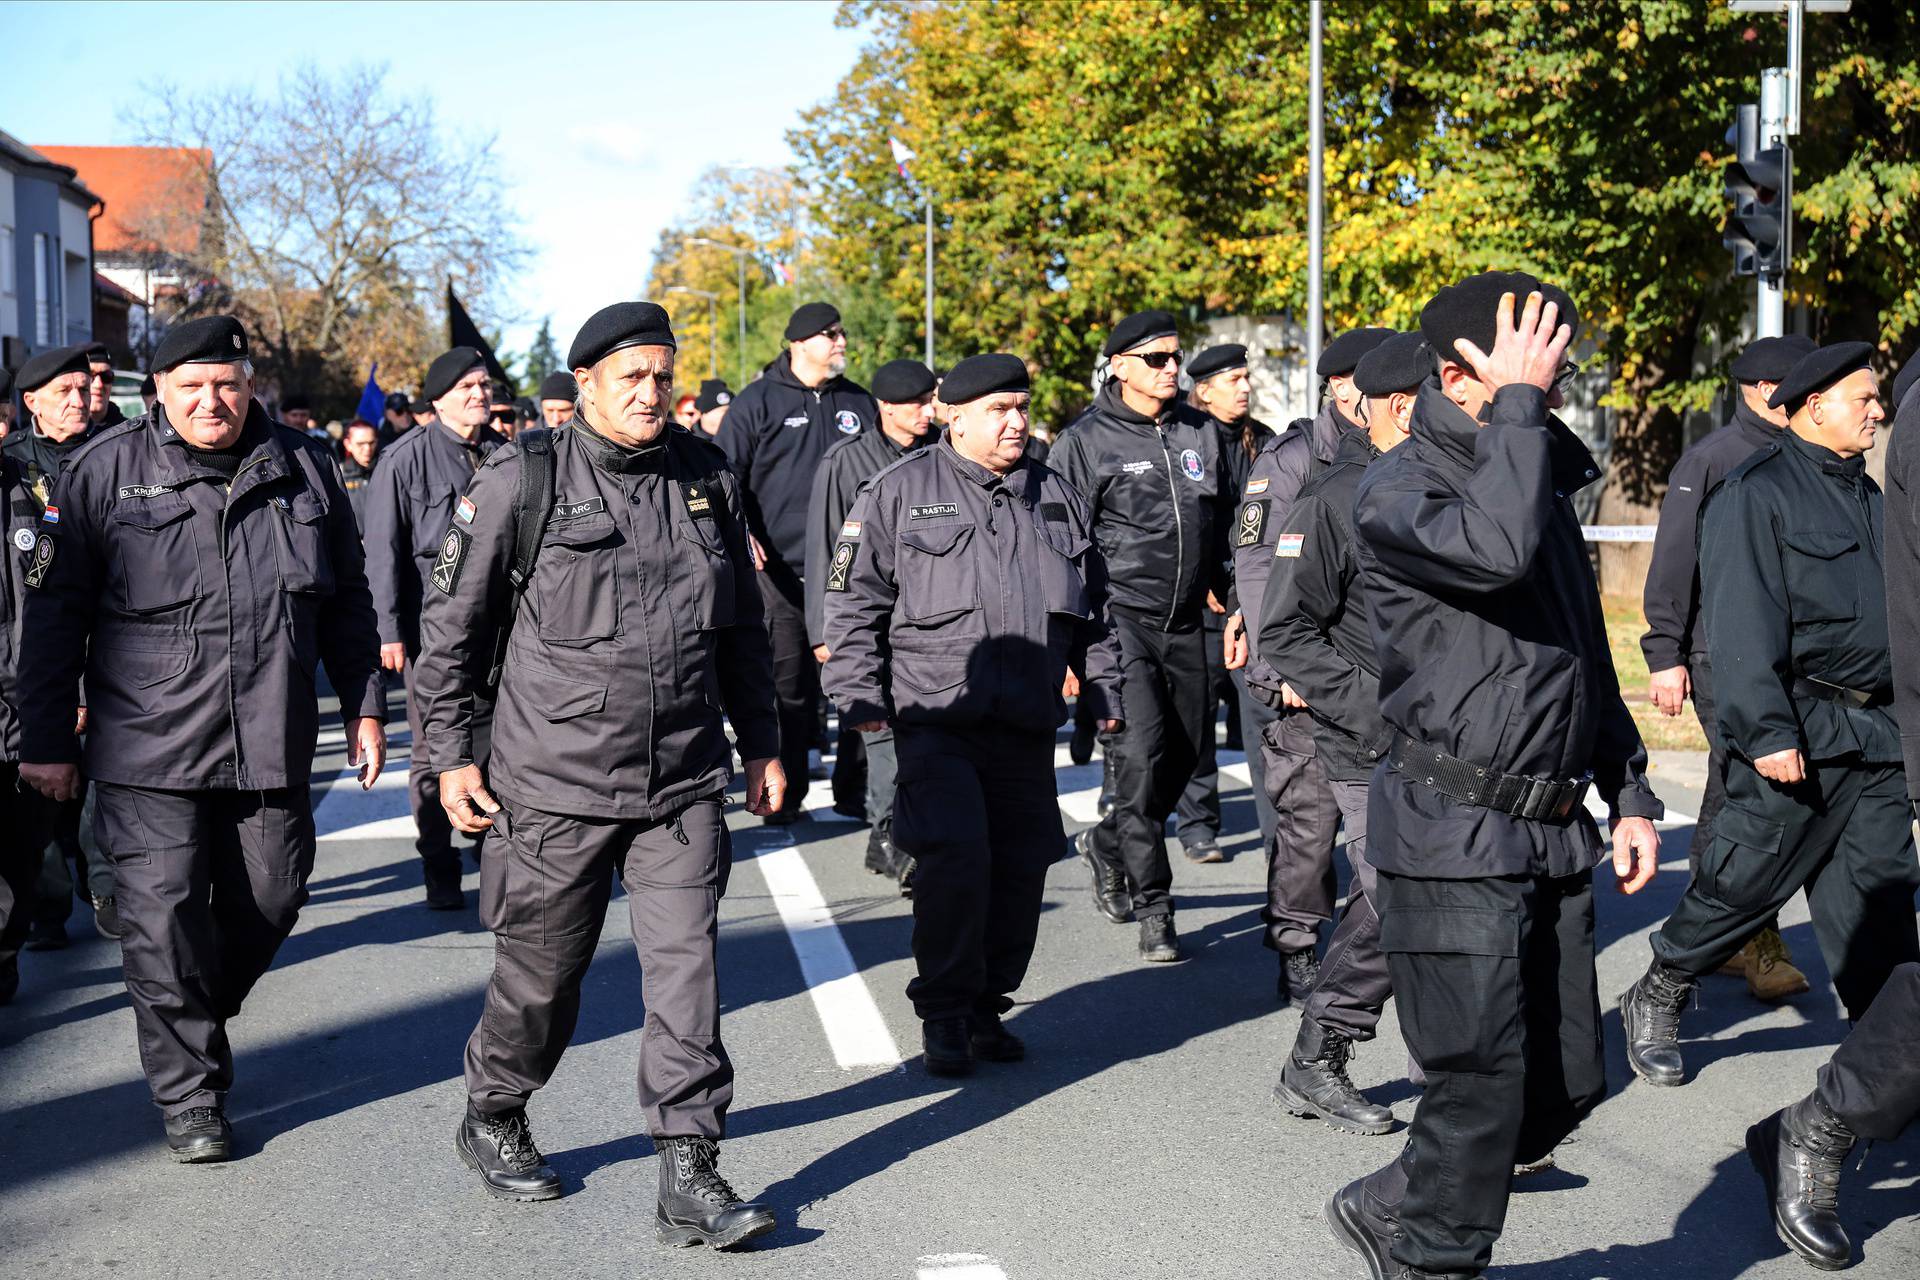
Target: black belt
{"points": [[1806, 687], [1537, 799]]}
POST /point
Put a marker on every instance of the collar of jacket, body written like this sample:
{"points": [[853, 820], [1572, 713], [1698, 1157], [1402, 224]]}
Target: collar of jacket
{"points": [[1328, 429], [480, 435], [1014, 480], [617, 459], [178, 466], [1110, 403], [1447, 427], [1846, 469], [780, 370], [1356, 446], [1752, 425]]}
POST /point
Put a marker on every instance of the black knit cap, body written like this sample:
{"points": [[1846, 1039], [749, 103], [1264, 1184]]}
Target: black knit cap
{"points": [[713, 394], [1471, 310], [978, 376], [48, 365], [148, 387], [615, 328], [448, 368], [1136, 330], [296, 401], [397, 402], [1401, 363], [499, 394], [558, 385], [810, 318], [1344, 353], [208, 340], [1904, 379], [1228, 355], [1771, 359], [901, 381], [1819, 370]]}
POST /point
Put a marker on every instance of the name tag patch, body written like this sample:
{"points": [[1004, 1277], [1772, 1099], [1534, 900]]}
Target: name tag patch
{"points": [[584, 507], [1054, 511], [453, 556], [1288, 545], [142, 491], [799, 421], [1253, 522], [697, 501], [42, 560], [933, 511], [841, 567], [1136, 468]]}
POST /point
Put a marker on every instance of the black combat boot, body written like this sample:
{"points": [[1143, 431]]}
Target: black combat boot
{"points": [[992, 1042], [1650, 1015], [442, 875], [1299, 975], [947, 1048], [696, 1205], [904, 867], [880, 853], [1159, 944], [1314, 1083], [1111, 897], [1365, 1227], [1203, 848], [199, 1135], [500, 1148], [1798, 1153]]}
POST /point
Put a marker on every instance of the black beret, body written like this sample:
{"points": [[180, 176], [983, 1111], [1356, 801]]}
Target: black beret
{"points": [[1228, 355], [148, 387], [1401, 363], [1139, 328], [48, 365], [422, 405], [448, 368], [208, 340], [525, 407], [499, 392], [713, 395], [1904, 380], [615, 328], [397, 401], [901, 381], [559, 385], [296, 401], [1771, 359], [1343, 354], [99, 353], [1819, 370], [811, 318], [1471, 310], [978, 376]]}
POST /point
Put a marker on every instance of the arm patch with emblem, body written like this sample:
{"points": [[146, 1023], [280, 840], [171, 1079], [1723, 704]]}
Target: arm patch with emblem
{"points": [[42, 560], [841, 567], [453, 555], [1253, 522]]}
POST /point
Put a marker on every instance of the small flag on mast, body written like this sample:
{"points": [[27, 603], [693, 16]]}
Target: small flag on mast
{"points": [[901, 154]]}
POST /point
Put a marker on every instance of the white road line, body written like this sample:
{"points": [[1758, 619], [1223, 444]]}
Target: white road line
{"points": [[958, 1266], [855, 1030]]}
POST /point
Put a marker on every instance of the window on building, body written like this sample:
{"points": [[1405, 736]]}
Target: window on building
{"points": [[6, 262], [42, 292]]}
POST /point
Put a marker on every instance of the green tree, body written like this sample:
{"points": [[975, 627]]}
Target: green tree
{"points": [[543, 357]]}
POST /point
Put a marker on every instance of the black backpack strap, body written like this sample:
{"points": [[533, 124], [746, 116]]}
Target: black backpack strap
{"points": [[532, 506]]}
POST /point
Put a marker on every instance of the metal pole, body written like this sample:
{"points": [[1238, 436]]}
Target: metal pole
{"points": [[929, 277], [741, 261], [1796, 20], [713, 333], [1770, 300], [1316, 143]]}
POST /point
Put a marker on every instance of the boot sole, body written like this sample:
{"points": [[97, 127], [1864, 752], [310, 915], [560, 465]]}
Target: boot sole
{"points": [[1661, 1082], [498, 1193], [1354, 1238], [1761, 1154], [1160, 957], [1209, 856], [1099, 899], [949, 1068], [677, 1237], [212, 1153], [1298, 1104]]}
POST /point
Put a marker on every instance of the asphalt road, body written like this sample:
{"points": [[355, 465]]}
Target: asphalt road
{"points": [[1138, 1140]]}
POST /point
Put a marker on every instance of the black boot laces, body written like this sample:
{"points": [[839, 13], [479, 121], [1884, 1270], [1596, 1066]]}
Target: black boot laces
{"points": [[1113, 880], [699, 1174], [194, 1116], [1819, 1173], [514, 1137], [1666, 997], [1334, 1057]]}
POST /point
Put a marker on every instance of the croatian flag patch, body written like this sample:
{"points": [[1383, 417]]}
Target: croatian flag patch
{"points": [[463, 512], [52, 515], [1288, 546]]}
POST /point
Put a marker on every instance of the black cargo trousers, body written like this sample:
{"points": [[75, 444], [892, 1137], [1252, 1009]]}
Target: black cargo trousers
{"points": [[434, 841], [1494, 984], [1301, 887], [1873, 1079], [25, 820], [545, 882]]}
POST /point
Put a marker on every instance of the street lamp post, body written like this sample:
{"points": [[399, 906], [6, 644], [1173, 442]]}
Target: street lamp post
{"points": [[740, 257], [713, 332]]}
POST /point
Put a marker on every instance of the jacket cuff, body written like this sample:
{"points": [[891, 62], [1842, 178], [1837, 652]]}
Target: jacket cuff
{"points": [[368, 701], [861, 710], [1102, 702], [62, 748], [758, 739], [1661, 654], [456, 753], [1636, 800]]}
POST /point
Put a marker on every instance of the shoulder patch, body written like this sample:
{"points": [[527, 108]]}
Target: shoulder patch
{"points": [[698, 503], [1258, 486], [464, 510], [841, 567], [1253, 522], [42, 560], [850, 529], [1288, 546], [1054, 511], [453, 557]]}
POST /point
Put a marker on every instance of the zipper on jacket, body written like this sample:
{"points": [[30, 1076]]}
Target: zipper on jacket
{"points": [[1179, 530], [233, 702]]}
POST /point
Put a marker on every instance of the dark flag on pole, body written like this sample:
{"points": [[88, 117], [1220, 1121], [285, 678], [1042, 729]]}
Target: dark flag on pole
{"points": [[462, 332], [373, 401]]}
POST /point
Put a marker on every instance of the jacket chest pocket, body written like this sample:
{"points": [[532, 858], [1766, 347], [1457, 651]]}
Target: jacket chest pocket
{"points": [[707, 570], [1063, 570], [306, 567], [430, 525], [156, 564], [578, 580], [937, 576], [1820, 575]]}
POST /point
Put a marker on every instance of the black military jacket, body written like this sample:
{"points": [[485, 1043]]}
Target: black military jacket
{"points": [[41, 460], [640, 627], [1790, 555], [1672, 597], [775, 433], [1160, 500], [408, 507], [848, 465], [1903, 576], [1487, 622], [197, 610], [356, 479], [959, 597], [1313, 623], [22, 527]]}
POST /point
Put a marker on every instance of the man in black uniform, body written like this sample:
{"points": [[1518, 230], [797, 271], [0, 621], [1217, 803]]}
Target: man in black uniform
{"points": [[397, 420], [557, 392], [360, 447], [712, 403], [1314, 631], [1796, 612], [637, 625], [1223, 392], [775, 433], [1283, 764], [1498, 685], [1160, 499], [194, 566], [904, 392], [1675, 644], [959, 594], [414, 498], [102, 412]]}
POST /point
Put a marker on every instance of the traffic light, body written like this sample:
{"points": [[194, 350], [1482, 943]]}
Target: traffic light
{"points": [[1760, 186]]}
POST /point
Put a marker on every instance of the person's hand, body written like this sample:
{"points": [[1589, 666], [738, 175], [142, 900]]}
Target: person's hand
{"points": [[766, 786], [1291, 700], [1213, 603], [1669, 689], [871, 726], [367, 749], [393, 657], [1111, 726], [758, 552], [821, 653], [1234, 643], [1070, 687], [1785, 767], [1529, 353], [56, 782], [463, 794], [1635, 839], [80, 722]]}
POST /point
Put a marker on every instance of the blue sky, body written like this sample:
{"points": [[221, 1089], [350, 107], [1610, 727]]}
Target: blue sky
{"points": [[623, 104]]}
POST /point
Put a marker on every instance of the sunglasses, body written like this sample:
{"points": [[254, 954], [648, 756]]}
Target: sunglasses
{"points": [[1564, 377], [1158, 359], [835, 334]]}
